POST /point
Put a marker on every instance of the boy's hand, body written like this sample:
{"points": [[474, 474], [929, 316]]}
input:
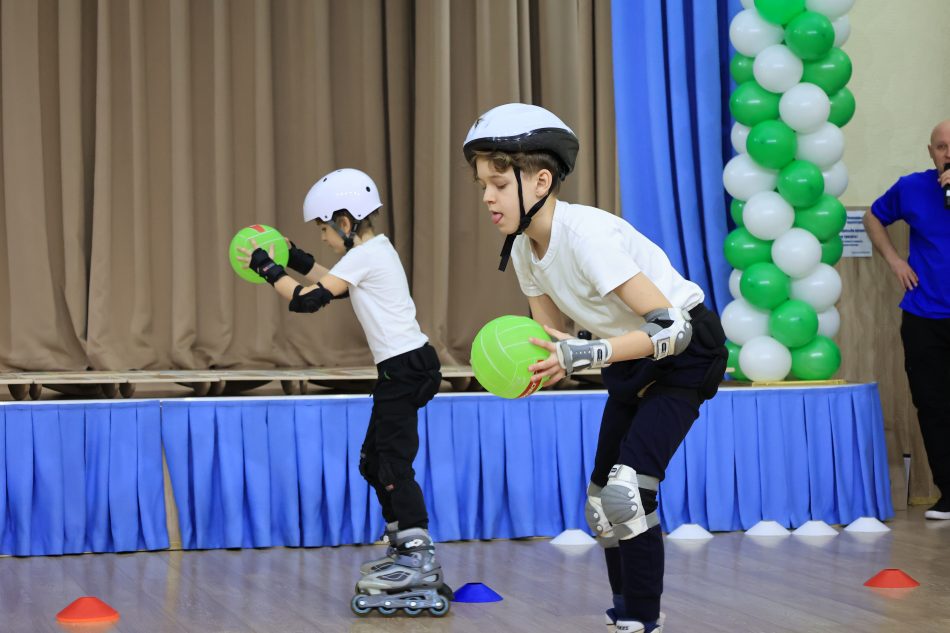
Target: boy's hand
{"points": [[262, 262], [550, 367], [300, 260]]}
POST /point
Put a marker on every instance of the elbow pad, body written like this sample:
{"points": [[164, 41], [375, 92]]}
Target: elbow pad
{"points": [[311, 301], [670, 331]]}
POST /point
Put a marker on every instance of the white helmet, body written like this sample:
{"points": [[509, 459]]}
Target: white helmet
{"points": [[520, 127], [348, 189]]}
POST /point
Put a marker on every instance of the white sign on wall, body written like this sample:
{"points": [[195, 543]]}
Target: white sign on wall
{"points": [[853, 236]]}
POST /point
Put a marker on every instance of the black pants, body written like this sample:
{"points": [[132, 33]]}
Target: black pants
{"points": [[927, 362], [642, 429], [406, 383]]}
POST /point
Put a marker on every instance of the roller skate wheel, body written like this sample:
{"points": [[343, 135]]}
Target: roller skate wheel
{"points": [[440, 608], [358, 605], [412, 612], [387, 610]]}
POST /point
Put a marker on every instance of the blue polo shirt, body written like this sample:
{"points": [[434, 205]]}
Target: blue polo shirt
{"points": [[918, 200]]}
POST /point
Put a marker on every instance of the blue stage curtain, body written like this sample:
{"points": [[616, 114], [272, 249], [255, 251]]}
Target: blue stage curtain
{"points": [[671, 92], [257, 473], [81, 478], [260, 473], [786, 455]]}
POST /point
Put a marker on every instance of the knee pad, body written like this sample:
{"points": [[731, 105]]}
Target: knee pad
{"points": [[629, 501], [596, 520], [368, 468]]}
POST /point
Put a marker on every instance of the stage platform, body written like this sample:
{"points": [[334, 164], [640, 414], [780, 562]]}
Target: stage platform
{"points": [[83, 476], [215, 382]]}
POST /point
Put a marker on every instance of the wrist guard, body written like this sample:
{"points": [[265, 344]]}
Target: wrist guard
{"points": [[263, 265], [574, 354], [300, 260]]}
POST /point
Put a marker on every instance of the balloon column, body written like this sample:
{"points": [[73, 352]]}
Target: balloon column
{"points": [[789, 104]]}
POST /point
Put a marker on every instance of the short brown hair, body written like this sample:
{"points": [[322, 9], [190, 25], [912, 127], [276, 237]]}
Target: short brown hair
{"points": [[527, 162], [365, 224]]}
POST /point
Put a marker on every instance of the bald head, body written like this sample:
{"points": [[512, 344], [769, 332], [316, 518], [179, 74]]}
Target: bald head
{"points": [[939, 147]]}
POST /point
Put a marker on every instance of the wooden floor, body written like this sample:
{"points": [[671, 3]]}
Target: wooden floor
{"points": [[732, 584]]}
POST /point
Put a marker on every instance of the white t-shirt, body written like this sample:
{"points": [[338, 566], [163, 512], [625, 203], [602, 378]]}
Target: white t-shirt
{"points": [[380, 295], [591, 253]]}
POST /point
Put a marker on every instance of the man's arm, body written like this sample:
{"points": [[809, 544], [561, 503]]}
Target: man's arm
{"points": [[883, 244]]}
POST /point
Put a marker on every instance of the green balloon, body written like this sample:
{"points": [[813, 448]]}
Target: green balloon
{"points": [[740, 67], [842, 107], [742, 249], [735, 210], [793, 324], [810, 35], [824, 219], [801, 183], [765, 286], [818, 360], [830, 72], [779, 12], [751, 103], [732, 365], [831, 250], [772, 144]]}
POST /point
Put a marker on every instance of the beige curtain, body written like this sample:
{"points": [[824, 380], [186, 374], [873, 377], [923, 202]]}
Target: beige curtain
{"points": [[138, 135]]}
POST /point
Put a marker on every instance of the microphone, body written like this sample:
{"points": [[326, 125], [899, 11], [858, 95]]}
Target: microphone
{"points": [[946, 189]]}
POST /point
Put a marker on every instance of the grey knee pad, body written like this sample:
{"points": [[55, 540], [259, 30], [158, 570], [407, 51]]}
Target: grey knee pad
{"points": [[596, 520], [623, 502]]}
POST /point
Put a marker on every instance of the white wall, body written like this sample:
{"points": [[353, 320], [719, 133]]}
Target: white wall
{"points": [[901, 83]]}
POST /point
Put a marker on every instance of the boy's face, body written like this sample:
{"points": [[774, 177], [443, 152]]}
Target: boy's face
{"points": [[332, 239], [500, 194]]}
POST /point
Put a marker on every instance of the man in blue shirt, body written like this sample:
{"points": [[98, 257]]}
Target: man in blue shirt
{"points": [[918, 200]]}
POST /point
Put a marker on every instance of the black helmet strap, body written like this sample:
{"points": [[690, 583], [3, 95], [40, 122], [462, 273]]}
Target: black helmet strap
{"points": [[523, 224]]}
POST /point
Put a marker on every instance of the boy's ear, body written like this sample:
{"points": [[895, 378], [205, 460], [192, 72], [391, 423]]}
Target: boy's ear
{"points": [[545, 181], [345, 225]]}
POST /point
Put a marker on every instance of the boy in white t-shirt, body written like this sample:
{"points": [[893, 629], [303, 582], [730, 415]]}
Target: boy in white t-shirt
{"points": [[342, 204], [666, 350]]}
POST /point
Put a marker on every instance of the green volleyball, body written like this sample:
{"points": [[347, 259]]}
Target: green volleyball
{"points": [[502, 353], [264, 236]]}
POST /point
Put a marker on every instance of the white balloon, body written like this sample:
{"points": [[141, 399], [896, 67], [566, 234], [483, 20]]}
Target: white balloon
{"points": [[830, 8], [743, 177], [821, 289], [842, 28], [824, 146], [748, 4], [777, 68], [742, 321], [829, 322], [767, 215], [750, 34], [738, 136], [804, 107], [765, 359], [836, 179], [797, 253], [734, 277]]}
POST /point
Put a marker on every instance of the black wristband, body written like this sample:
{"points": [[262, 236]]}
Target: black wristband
{"points": [[273, 272], [300, 260], [263, 265]]}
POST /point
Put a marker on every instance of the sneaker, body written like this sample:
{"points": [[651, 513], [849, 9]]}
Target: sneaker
{"points": [[633, 626], [940, 510], [612, 623]]}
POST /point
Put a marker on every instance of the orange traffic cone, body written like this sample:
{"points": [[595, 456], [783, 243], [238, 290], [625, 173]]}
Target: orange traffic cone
{"points": [[86, 610], [891, 579]]}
